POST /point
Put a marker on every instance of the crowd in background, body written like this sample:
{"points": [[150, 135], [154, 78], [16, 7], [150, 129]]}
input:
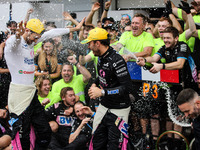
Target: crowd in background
{"points": [[65, 69]]}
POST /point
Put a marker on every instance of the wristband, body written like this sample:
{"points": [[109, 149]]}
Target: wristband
{"points": [[93, 114], [106, 9], [145, 60], [76, 63], [163, 65], [103, 92]]}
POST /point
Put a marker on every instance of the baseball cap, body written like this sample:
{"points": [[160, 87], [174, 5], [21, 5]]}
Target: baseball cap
{"points": [[96, 34], [112, 27], [108, 18]]}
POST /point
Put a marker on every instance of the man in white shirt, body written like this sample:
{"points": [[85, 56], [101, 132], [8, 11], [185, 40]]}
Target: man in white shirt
{"points": [[23, 103]]}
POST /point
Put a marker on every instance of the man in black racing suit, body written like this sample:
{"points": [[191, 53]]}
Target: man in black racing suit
{"points": [[114, 86]]}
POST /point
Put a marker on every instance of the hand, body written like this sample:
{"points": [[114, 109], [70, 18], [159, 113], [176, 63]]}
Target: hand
{"points": [[94, 92], [68, 112], [156, 68], [84, 121], [45, 73], [45, 101], [95, 6], [82, 60], [169, 6], [86, 110], [140, 61], [107, 4], [72, 60], [20, 29], [3, 113], [78, 27], [185, 7], [30, 11], [67, 16], [93, 85]]}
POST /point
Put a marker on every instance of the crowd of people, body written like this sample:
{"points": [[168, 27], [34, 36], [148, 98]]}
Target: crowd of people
{"points": [[70, 88]]}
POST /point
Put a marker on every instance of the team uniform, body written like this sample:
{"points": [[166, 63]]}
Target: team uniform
{"points": [[23, 102], [115, 105], [60, 138], [82, 140]]}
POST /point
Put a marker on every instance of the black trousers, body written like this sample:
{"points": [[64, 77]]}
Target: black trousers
{"points": [[107, 135], [34, 115]]}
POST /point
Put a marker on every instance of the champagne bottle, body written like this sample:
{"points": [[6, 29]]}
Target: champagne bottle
{"points": [[147, 66]]}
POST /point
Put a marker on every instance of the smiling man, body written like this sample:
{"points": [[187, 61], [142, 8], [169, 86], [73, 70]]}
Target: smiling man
{"points": [[138, 40], [78, 82], [176, 54], [24, 107], [188, 102]]}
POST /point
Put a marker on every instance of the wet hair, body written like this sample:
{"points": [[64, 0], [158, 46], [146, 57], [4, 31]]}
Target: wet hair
{"points": [[167, 19], [172, 30], [69, 64], [144, 18], [185, 96], [39, 81], [64, 91], [42, 57], [10, 22], [79, 102]]}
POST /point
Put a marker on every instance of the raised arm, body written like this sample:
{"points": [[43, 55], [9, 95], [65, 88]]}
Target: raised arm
{"points": [[94, 8], [68, 17], [29, 12], [105, 12], [86, 74]]}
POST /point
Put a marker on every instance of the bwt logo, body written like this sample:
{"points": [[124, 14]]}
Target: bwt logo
{"points": [[25, 72]]}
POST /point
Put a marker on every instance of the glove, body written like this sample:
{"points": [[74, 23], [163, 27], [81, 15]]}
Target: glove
{"points": [[169, 7], [185, 6]]}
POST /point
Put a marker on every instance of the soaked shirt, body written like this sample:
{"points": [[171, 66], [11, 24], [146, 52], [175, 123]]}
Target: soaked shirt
{"points": [[56, 113], [114, 78], [20, 56]]}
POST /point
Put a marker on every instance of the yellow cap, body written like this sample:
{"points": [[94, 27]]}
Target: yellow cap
{"points": [[35, 25], [96, 34]]}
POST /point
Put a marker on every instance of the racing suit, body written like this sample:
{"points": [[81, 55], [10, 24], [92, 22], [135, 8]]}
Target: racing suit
{"points": [[60, 138], [114, 78]]}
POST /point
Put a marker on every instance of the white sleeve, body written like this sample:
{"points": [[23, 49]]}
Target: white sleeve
{"points": [[53, 33], [12, 42]]}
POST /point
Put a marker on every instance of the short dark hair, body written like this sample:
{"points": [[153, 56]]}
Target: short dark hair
{"points": [[67, 63], [185, 96], [79, 102], [172, 30], [10, 22], [144, 18], [64, 91]]}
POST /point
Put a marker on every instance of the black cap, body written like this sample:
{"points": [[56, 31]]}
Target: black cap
{"points": [[108, 18], [112, 27]]}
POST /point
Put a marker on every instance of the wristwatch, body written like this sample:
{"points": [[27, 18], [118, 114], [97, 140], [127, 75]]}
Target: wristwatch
{"points": [[103, 92]]}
